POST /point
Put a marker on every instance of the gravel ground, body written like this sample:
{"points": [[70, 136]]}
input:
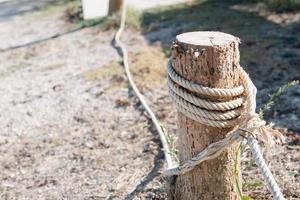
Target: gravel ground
{"points": [[67, 133], [64, 136]]}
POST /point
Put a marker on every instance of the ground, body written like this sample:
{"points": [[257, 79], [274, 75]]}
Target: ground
{"points": [[71, 128]]}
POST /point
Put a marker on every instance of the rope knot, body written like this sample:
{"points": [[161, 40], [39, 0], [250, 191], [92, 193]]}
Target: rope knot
{"points": [[255, 127]]}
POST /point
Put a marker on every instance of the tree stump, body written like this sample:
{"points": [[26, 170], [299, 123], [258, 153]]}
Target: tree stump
{"points": [[210, 59], [115, 6]]}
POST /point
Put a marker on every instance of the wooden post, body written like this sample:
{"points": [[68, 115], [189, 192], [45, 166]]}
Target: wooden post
{"points": [[115, 6], [209, 59]]}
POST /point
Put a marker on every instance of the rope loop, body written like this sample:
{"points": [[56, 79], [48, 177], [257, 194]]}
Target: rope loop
{"points": [[200, 89], [223, 114]]}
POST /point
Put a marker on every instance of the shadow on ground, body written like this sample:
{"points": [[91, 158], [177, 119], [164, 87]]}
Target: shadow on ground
{"points": [[17, 7]]}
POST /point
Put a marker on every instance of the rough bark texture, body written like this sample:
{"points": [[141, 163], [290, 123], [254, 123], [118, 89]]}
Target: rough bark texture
{"points": [[210, 59], [114, 6]]}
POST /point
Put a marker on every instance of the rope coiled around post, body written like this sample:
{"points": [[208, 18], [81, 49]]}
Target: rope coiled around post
{"points": [[238, 113], [250, 121]]}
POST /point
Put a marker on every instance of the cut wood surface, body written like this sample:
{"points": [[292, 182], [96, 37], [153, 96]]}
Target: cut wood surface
{"points": [[210, 59]]}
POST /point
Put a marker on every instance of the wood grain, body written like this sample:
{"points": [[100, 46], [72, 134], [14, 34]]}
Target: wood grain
{"points": [[210, 59]]}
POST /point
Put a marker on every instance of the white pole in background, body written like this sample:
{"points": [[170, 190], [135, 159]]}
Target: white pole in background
{"points": [[94, 8]]}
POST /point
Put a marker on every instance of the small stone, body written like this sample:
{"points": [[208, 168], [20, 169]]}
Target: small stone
{"points": [[89, 144], [146, 148], [132, 136], [294, 117], [122, 102]]}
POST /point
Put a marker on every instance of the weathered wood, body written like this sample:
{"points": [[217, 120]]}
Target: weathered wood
{"points": [[115, 6], [210, 59]]}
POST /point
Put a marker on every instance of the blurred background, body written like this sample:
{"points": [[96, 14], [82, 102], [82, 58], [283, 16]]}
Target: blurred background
{"points": [[71, 128]]}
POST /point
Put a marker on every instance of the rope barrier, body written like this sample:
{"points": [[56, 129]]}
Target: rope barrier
{"points": [[250, 125], [138, 93]]}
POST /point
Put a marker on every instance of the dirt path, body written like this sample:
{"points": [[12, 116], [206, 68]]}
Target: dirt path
{"points": [[70, 126], [62, 134]]}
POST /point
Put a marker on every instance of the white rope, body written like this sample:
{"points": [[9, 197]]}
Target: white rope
{"points": [[208, 114], [215, 123], [212, 92], [202, 103], [137, 92], [266, 173], [250, 125]]}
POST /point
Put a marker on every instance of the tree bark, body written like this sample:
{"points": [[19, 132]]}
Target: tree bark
{"points": [[115, 6], [210, 59]]}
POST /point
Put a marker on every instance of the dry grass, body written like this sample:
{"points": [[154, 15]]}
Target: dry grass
{"points": [[105, 72], [53, 66], [148, 67]]}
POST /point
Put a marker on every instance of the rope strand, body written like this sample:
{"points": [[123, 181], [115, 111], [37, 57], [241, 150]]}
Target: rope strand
{"points": [[212, 92], [155, 121], [219, 106], [265, 171]]}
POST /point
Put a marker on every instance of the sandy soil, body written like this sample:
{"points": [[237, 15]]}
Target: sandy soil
{"points": [[72, 129]]}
